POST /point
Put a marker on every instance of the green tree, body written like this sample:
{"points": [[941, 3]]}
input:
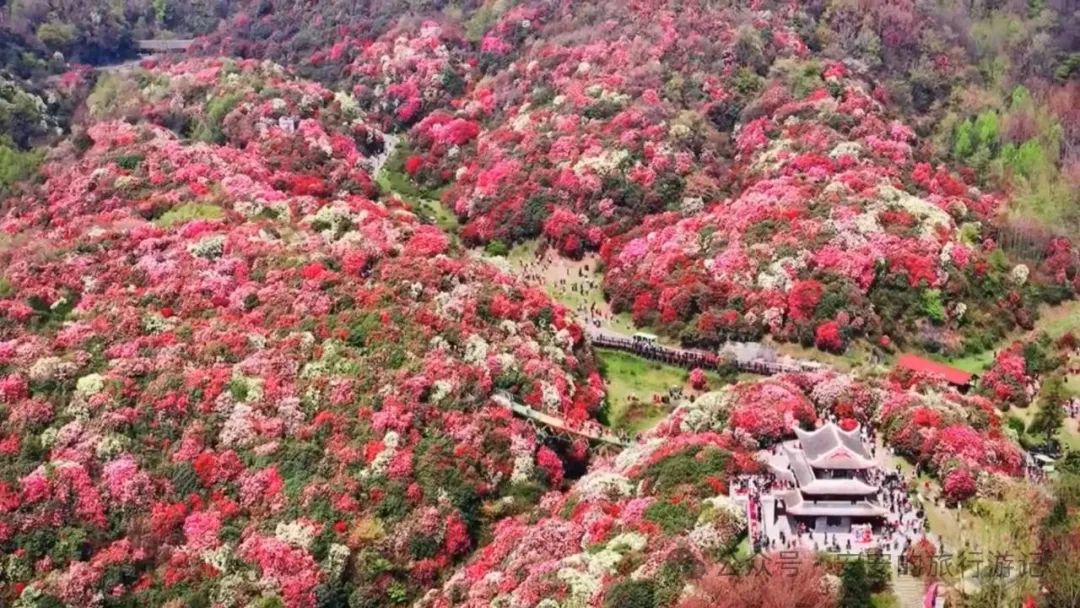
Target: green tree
{"points": [[1051, 413], [631, 594], [964, 140], [854, 588], [878, 571], [987, 129], [16, 166]]}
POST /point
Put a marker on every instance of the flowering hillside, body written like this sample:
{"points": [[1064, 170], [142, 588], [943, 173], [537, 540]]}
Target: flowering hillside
{"points": [[260, 347], [837, 232], [217, 384], [658, 516], [654, 517]]}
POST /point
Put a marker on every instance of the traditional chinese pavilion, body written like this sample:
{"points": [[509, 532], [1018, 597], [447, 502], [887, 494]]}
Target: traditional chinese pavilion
{"points": [[832, 491]]}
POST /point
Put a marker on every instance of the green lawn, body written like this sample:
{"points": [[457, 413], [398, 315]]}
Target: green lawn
{"points": [[974, 364], [1068, 437], [885, 599], [424, 203], [628, 375], [187, 212], [1054, 320]]}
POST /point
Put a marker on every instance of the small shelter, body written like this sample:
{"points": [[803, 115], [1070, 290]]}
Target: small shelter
{"points": [[950, 374]]}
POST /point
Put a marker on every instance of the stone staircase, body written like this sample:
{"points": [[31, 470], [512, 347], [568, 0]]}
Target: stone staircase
{"points": [[909, 590]]}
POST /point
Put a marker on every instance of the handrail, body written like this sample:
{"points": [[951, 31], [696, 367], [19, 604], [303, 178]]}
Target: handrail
{"points": [[692, 358], [555, 422]]}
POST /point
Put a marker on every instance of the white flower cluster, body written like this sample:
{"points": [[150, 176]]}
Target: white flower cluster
{"points": [[636, 453], [929, 214], [584, 572], [297, 533], [51, 368], [331, 220], [89, 385], [550, 396], [1019, 274], [692, 204], [604, 484], [476, 349], [440, 389], [261, 208], [111, 445], [381, 462], [522, 452], [508, 327], [777, 275], [707, 412], [237, 431], [219, 557], [846, 148], [336, 558], [209, 247], [153, 323], [826, 392], [601, 164], [706, 537]]}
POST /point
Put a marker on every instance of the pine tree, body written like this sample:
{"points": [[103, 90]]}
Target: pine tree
{"points": [[1051, 413]]}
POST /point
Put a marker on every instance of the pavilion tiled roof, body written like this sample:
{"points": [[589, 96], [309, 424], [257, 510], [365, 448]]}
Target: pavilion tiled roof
{"points": [[933, 368], [830, 447], [810, 484], [794, 504]]}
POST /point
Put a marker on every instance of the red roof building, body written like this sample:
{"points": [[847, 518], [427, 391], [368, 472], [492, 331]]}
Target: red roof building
{"points": [[932, 368]]}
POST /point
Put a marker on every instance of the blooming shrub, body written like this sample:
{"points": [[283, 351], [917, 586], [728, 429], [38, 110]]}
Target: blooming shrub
{"points": [[959, 485]]}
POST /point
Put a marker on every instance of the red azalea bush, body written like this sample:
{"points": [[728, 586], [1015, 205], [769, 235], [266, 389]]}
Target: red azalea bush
{"points": [[768, 409], [1013, 377], [947, 430], [698, 380], [958, 485]]}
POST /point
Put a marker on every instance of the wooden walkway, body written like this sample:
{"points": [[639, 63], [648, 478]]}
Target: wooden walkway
{"points": [[174, 45], [557, 424], [688, 358]]}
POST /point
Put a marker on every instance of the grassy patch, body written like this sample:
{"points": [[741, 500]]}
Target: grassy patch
{"points": [[629, 376], [1068, 435], [1057, 320], [188, 212], [885, 599], [856, 355], [974, 364], [16, 165], [424, 203], [583, 288]]}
